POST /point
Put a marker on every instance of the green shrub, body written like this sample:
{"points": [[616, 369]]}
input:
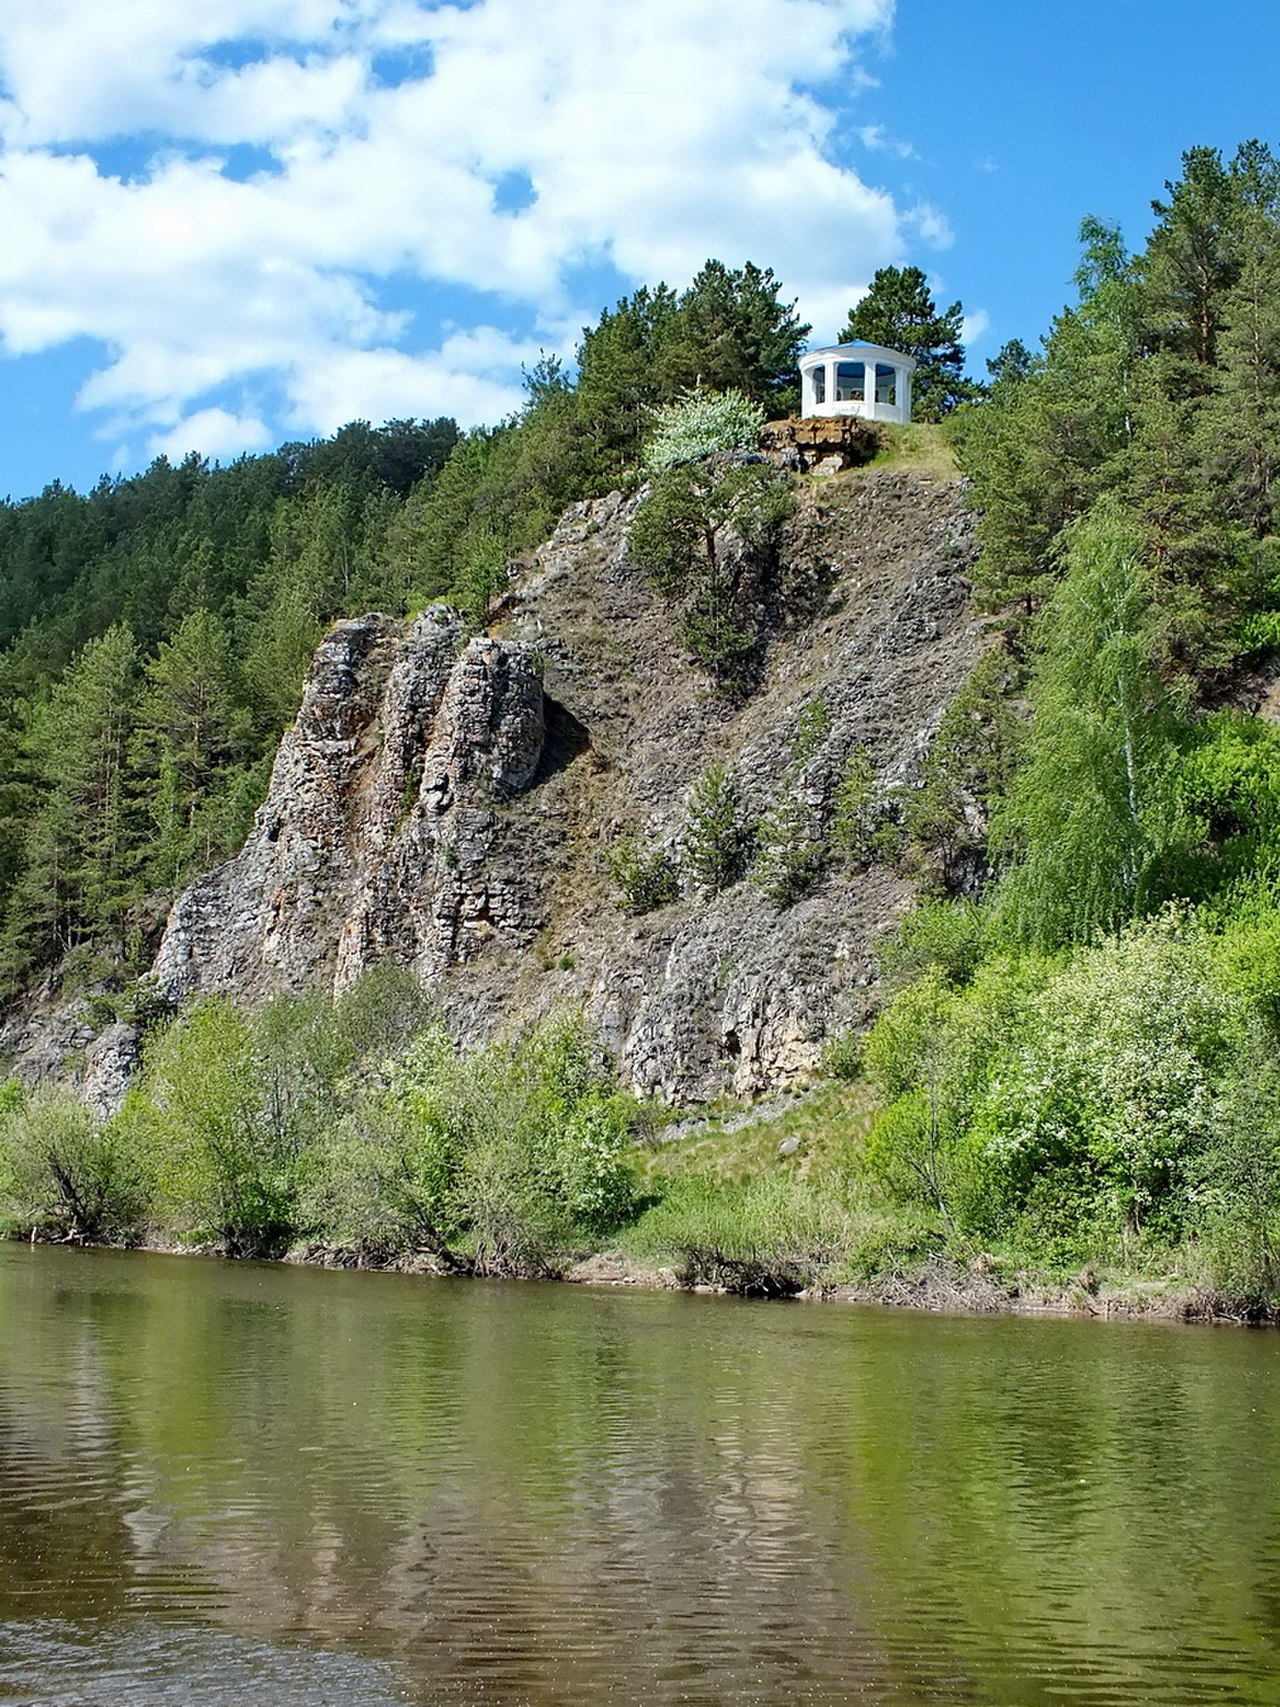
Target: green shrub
{"points": [[705, 536], [812, 728], [1236, 1184], [842, 1057], [950, 937], [932, 1055], [64, 1174], [645, 878], [232, 1106], [384, 1180], [1068, 1103], [378, 1015], [1119, 1076], [500, 1160]]}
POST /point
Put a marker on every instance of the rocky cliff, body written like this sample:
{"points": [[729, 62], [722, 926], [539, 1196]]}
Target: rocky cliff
{"points": [[445, 802]]}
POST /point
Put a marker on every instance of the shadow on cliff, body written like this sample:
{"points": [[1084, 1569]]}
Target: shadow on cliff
{"points": [[566, 739]]}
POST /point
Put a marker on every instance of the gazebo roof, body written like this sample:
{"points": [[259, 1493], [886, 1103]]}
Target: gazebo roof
{"points": [[858, 352]]}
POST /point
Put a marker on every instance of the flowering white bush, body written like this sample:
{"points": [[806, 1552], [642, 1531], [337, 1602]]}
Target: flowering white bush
{"points": [[702, 423]]}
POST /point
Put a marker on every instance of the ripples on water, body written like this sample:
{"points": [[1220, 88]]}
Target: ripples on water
{"points": [[224, 1483], [146, 1665]]}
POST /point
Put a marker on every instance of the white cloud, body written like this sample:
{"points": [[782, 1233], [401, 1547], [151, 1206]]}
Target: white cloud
{"points": [[212, 432], [877, 138], [381, 385], [827, 310], [653, 134], [931, 226], [974, 327]]}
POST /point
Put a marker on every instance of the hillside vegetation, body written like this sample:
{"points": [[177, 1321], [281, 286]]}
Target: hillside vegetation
{"points": [[154, 634], [1074, 1078]]}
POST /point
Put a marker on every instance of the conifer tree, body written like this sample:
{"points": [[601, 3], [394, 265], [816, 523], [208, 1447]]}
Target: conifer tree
{"points": [[732, 332], [620, 373], [789, 849], [1241, 419], [75, 881], [192, 730], [714, 845], [1041, 450], [899, 312], [1190, 262]]}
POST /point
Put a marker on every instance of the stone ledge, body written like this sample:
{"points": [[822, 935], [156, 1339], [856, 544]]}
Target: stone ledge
{"points": [[821, 444]]}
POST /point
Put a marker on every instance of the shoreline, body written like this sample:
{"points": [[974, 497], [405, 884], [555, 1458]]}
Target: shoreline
{"points": [[937, 1287], [945, 1288]]}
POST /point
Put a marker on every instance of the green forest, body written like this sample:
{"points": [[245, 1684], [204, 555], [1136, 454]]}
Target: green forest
{"points": [[1074, 1078], [154, 633]]}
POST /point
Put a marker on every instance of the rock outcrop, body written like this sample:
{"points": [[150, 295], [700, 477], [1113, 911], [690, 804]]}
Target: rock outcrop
{"points": [[381, 836], [446, 803]]}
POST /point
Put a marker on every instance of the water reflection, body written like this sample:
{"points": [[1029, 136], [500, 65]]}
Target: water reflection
{"points": [[534, 1494]]}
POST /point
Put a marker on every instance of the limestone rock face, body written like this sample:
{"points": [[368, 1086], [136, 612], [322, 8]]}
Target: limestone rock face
{"points": [[447, 803], [377, 838]]}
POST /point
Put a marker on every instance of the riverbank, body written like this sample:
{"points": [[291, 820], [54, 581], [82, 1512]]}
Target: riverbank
{"points": [[938, 1287], [523, 1160], [953, 1289]]}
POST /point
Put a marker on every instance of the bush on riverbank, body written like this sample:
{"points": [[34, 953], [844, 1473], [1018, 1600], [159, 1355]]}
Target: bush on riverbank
{"points": [[1115, 1104], [353, 1126], [64, 1175], [1106, 1112], [500, 1160]]}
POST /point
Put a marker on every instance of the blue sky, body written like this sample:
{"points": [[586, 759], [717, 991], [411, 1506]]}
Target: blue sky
{"points": [[252, 220]]}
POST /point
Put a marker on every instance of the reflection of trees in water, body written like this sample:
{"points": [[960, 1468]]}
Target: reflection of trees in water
{"points": [[571, 1495], [51, 1533]]}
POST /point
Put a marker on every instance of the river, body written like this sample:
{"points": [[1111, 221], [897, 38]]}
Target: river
{"points": [[226, 1483]]}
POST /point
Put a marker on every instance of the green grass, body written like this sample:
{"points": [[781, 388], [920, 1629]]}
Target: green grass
{"points": [[923, 446], [726, 1209], [727, 1143]]}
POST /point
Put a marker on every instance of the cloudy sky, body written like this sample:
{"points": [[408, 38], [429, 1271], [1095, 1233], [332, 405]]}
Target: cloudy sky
{"points": [[232, 222]]}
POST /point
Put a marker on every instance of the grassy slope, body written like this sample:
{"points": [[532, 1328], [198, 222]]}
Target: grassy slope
{"points": [[919, 446], [737, 1212]]}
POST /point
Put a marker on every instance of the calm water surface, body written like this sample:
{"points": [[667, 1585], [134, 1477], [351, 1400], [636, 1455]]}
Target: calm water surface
{"points": [[237, 1483]]}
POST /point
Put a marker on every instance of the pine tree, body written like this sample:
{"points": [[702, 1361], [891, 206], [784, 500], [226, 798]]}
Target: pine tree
{"points": [[79, 850], [789, 849], [899, 312], [1241, 419], [703, 535], [192, 730], [732, 332], [714, 845], [1190, 262], [620, 373], [1044, 447]]}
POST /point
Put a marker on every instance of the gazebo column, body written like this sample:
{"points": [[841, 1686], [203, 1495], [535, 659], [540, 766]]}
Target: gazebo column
{"points": [[830, 365]]}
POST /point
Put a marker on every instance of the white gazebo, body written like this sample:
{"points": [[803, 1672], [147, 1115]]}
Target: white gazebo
{"points": [[856, 379]]}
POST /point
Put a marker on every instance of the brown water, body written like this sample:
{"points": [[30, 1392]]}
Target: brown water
{"points": [[224, 1484]]}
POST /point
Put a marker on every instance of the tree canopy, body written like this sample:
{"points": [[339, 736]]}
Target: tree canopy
{"points": [[899, 312]]}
